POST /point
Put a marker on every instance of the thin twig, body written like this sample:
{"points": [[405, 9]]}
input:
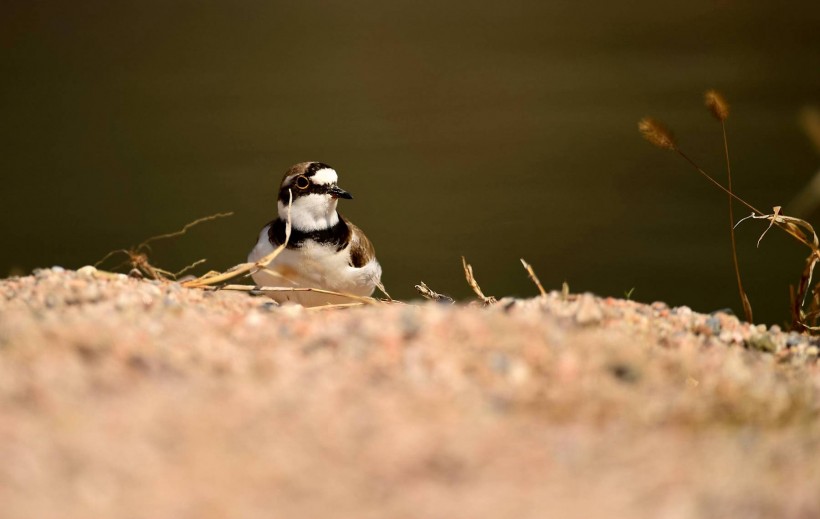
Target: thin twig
{"points": [[189, 267], [428, 293], [468, 273], [124, 251], [534, 278], [184, 229], [138, 257], [786, 228], [245, 268], [333, 306], [252, 288], [381, 288], [744, 299]]}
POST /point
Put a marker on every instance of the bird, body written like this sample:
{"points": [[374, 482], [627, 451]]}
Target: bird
{"points": [[325, 250]]}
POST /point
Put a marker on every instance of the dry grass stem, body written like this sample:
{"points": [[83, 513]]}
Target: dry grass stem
{"points": [[139, 265], [138, 259], [534, 278], [717, 104], [773, 218], [185, 228], [244, 269], [381, 288], [253, 288], [789, 229], [428, 293], [189, 267], [468, 273], [273, 273], [797, 227], [801, 229], [657, 134], [334, 306]]}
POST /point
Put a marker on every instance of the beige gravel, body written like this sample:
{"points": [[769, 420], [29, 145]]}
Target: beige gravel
{"points": [[123, 398]]}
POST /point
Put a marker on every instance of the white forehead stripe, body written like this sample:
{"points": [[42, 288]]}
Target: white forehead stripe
{"points": [[325, 176]]}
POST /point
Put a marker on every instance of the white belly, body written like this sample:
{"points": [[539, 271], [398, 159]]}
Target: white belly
{"points": [[314, 266]]}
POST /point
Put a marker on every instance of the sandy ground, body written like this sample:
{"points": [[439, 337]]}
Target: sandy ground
{"points": [[122, 398]]}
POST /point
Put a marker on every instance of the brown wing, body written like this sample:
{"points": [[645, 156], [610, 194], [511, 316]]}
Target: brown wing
{"points": [[361, 250]]}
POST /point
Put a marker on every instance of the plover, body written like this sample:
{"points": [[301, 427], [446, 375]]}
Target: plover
{"points": [[324, 251]]}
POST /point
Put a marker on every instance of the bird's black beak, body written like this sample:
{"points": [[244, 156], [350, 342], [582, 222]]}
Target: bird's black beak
{"points": [[337, 192]]}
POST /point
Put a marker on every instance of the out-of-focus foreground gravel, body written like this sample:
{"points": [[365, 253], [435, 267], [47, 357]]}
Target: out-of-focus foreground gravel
{"points": [[122, 398]]}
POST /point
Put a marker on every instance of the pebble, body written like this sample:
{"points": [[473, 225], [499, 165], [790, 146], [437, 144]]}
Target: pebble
{"points": [[714, 324], [683, 311], [87, 272], [589, 311], [762, 342], [793, 339], [53, 290]]}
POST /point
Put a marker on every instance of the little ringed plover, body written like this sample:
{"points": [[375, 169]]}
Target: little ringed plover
{"points": [[325, 250]]}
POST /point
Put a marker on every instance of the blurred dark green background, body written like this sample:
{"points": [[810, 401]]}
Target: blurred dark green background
{"points": [[497, 130]]}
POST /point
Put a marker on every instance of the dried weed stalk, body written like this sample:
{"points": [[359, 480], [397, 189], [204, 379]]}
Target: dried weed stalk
{"points": [[253, 288], [468, 273], [719, 108], [657, 133], [428, 293], [803, 319], [244, 269], [716, 104], [534, 278], [138, 256]]}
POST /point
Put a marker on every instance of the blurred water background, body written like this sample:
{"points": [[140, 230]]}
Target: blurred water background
{"points": [[496, 130]]}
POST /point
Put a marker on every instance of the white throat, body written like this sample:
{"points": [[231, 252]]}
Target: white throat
{"points": [[313, 212]]}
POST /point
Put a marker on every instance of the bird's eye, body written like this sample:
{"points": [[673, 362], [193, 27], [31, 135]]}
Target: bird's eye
{"points": [[302, 182]]}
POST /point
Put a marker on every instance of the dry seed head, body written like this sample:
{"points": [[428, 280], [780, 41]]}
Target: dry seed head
{"points": [[717, 104], [656, 133]]}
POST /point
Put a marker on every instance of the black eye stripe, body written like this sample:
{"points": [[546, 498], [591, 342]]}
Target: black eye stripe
{"points": [[318, 189]]}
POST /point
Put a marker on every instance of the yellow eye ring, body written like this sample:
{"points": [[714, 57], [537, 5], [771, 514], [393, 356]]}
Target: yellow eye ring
{"points": [[302, 182]]}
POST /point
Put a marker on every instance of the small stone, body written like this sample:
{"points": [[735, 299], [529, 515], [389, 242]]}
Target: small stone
{"points": [[793, 340], [625, 372], [683, 311], [269, 306], [762, 342], [88, 271], [153, 290], [588, 311], [713, 323], [57, 269]]}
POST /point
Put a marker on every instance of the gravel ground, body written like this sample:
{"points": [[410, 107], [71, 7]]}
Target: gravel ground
{"points": [[122, 398]]}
